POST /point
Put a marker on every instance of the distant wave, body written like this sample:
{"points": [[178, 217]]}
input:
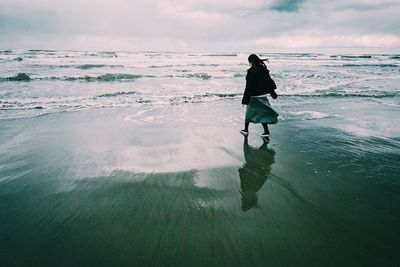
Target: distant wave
{"points": [[383, 65], [160, 66], [108, 54], [20, 77], [6, 51], [105, 78], [351, 56], [290, 55], [182, 70], [239, 75], [91, 66], [371, 65], [344, 95], [203, 76], [221, 55], [153, 54], [38, 52], [203, 65], [109, 77], [81, 66], [5, 107], [41, 50], [117, 94], [395, 57]]}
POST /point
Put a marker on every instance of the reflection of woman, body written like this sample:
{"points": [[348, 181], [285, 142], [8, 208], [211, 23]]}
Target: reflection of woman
{"points": [[254, 172], [258, 85]]}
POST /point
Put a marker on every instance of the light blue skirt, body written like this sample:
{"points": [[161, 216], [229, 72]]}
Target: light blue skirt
{"points": [[260, 111]]}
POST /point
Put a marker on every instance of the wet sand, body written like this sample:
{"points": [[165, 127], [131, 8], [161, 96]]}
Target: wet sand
{"points": [[179, 186]]}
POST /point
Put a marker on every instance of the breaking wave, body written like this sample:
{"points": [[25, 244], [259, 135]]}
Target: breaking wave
{"points": [[41, 50], [20, 77], [351, 56], [160, 66], [371, 65], [239, 75], [109, 77], [105, 78], [115, 99], [221, 55], [203, 97], [345, 94], [6, 52], [117, 94], [309, 55], [203, 76], [202, 65], [92, 66], [81, 66]]}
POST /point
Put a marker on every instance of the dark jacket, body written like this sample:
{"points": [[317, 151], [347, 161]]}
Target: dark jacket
{"points": [[258, 82]]}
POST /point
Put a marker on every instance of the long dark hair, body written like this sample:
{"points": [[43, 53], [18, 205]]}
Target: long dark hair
{"points": [[256, 61]]}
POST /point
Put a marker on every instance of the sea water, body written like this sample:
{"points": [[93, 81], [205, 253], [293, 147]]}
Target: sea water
{"points": [[121, 159], [35, 82]]}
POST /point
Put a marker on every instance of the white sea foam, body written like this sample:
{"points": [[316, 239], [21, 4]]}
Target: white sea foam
{"points": [[305, 115]]}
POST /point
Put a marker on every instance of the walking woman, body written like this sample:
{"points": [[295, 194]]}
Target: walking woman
{"points": [[258, 85]]}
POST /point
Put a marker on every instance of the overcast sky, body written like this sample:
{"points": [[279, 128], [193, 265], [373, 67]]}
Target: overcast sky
{"points": [[200, 25]]}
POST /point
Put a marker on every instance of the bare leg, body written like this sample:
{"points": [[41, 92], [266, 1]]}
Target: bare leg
{"points": [[265, 126], [246, 126], [245, 132]]}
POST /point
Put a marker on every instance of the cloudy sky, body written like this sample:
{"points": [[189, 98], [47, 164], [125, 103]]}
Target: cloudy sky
{"points": [[200, 25]]}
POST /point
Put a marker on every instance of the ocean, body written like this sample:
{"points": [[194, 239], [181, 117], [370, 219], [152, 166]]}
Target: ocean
{"points": [[115, 158], [36, 82]]}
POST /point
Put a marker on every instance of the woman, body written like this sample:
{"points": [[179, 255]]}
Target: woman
{"points": [[258, 85]]}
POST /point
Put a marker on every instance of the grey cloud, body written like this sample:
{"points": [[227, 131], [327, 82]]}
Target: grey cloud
{"points": [[199, 24], [28, 20], [287, 5], [339, 21], [357, 6]]}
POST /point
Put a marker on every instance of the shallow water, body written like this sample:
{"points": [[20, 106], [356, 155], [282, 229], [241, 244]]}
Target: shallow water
{"points": [[177, 186]]}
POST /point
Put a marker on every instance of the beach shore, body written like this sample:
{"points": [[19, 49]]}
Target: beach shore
{"points": [[177, 185]]}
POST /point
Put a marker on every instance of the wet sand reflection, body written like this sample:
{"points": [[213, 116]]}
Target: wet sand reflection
{"points": [[254, 172]]}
